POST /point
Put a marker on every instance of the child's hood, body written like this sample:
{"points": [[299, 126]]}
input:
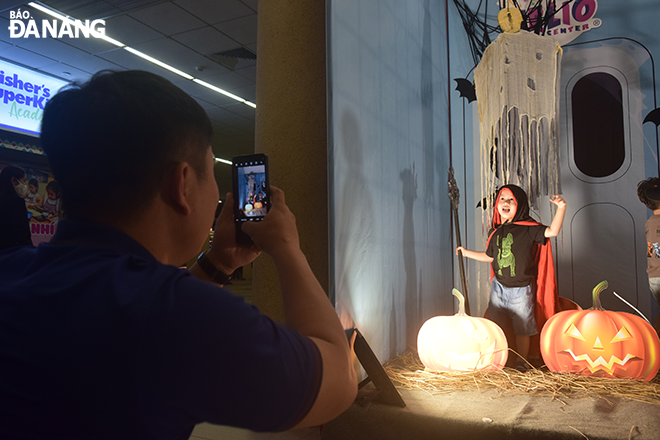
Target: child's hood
{"points": [[522, 208]]}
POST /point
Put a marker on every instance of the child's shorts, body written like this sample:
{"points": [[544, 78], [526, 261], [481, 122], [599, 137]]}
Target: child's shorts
{"points": [[516, 303]]}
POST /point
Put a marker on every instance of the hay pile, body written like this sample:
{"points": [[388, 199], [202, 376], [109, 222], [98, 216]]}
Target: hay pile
{"points": [[407, 372]]}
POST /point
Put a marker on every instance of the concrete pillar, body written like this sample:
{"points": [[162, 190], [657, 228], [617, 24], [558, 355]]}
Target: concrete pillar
{"points": [[291, 128]]}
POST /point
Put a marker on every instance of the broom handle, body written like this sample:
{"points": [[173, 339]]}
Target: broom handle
{"points": [[454, 196]]}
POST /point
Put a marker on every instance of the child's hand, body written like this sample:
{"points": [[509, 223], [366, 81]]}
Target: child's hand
{"points": [[460, 248], [558, 200]]}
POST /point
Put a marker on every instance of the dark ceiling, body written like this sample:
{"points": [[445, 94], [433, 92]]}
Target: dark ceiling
{"points": [[212, 40]]}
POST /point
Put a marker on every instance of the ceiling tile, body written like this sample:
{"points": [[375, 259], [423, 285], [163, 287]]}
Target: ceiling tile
{"points": [[251, 4], [25, 57], [229, 81], [207, 40], [65, 72], [213, 11], [126, 59], [68, 55], [243, 30], [90, 45], [241, 109], [248, 72], [168, 18], [129, 30]]}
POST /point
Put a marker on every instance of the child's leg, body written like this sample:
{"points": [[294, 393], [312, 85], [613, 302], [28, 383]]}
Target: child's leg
{"points": [[524, 324], [522, 344]]}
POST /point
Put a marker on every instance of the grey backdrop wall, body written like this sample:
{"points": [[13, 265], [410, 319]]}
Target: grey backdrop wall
{"points": [[389, 155]]}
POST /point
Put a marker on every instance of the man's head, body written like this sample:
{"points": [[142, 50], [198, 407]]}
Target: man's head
{"points": [[648, 192], [111, 140]]}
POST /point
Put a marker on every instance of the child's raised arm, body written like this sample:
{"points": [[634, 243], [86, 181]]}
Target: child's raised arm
{"points": [[479, 256], [558, 220]]}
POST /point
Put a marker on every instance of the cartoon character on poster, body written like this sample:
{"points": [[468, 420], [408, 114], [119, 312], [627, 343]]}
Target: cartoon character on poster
{"points": [[44, 207]]}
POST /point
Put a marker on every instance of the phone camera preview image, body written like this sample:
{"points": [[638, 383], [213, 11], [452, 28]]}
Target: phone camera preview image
{"points": [[252, 190]]}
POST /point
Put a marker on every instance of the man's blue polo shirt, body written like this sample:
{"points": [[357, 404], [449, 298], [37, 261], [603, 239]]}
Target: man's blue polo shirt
{"points": [[98, 340]]}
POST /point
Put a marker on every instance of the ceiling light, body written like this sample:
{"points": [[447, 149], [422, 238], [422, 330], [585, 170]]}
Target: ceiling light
{"points": [[158, 62], [65, 18], [62, 17]]}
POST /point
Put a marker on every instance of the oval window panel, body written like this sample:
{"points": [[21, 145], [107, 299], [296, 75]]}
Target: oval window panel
{"points": [[598, 130]]}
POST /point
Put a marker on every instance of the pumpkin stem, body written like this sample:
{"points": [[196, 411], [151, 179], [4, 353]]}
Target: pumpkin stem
{"points": [[596, 295], [461, 302]]}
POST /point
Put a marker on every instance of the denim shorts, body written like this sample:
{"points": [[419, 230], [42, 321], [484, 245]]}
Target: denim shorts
{"points": [[654, 285], [516, 303]]}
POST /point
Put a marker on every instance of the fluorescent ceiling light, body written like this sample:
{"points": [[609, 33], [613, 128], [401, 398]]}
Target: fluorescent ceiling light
{"points": [[157, 62], [219, 90], [66, 18]]}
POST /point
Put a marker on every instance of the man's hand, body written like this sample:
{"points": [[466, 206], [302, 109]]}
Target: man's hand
{"points": [[277, 232], [226, 254]]}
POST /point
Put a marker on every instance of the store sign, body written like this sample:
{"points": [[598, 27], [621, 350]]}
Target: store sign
{"points": [[571, 19], [23, 95]]}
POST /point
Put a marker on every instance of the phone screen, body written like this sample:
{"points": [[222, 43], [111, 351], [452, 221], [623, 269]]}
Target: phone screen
{"points": [[251, 189]]}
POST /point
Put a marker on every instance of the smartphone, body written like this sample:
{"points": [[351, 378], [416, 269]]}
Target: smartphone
{"points": [[251, 186]]}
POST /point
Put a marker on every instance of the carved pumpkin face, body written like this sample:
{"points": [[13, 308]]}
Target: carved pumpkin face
{"points": [[461, 342], [598, 342]]}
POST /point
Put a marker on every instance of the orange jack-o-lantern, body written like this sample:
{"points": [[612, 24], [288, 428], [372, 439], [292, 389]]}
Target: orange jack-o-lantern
{"points": [[598, 342], [461, 342], [258, 205]]}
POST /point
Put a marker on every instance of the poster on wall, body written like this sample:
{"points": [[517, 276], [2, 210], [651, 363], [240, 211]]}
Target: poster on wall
{"points": [[43, 203], [23, 95]]}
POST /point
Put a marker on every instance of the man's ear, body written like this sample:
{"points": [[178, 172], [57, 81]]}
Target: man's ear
{"points": [[176, 187]]}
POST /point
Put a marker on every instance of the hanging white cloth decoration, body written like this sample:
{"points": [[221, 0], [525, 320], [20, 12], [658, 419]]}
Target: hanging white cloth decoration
{"points": [[517, 86]]}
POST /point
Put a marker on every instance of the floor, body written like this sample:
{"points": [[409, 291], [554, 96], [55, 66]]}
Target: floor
{"points": [[207, 431]]}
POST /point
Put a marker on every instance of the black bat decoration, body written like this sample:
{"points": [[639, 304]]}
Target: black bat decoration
{"points": [[487, 202], [653, 116], [466, 89]]}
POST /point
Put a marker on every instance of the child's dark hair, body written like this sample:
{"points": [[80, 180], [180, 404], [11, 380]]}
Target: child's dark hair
{"points": [[34, 182], [53, 185], [643, 187]]}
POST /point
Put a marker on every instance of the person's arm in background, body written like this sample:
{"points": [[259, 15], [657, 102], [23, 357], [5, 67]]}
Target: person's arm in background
{"points": [[308, 310]]}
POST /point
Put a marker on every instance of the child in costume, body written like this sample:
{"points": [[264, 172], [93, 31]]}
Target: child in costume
{"points": [[648, 192], [521, 266]]}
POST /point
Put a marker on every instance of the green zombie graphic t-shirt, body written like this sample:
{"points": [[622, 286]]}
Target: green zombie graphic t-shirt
{"points": [[512, 249]]}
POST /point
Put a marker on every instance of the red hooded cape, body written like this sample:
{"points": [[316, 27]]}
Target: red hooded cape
{"points": [[545, 287]]}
